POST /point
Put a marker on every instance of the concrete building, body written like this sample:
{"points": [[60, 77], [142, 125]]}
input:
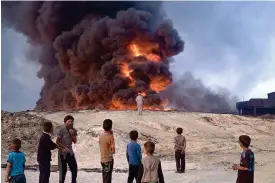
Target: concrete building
{"points": [[257, 106]]}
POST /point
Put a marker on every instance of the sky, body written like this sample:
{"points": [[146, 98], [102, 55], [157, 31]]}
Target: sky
{"points": [[227, 44]]}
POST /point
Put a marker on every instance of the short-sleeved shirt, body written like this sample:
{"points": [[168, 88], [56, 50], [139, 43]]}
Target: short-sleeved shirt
{"points": [[17, 160], [66, 139], [180, 143], [247, 161], [106, 143]]}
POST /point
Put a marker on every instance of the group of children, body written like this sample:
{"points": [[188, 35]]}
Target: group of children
{"points": [[143, 170]]}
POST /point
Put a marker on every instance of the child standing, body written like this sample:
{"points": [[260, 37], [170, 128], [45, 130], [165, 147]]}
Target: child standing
{"points": [[44, 152], [150, 169], [107, 149], [180, 145], [246, 167], [15, 164], [134, 156]]}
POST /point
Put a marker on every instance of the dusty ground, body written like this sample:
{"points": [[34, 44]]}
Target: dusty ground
{"points": [[211, 150]]}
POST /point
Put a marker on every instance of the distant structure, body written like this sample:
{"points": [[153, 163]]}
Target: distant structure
{"points": [[257, 106]]}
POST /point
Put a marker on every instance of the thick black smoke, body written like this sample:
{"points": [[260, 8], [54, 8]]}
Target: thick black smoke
{"points": [[190, 94], [83, 45]]}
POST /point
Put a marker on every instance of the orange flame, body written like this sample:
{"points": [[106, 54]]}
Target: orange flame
{"points": [[126, 72], [159, 83], [135, 50], [165, 103], [145, 51], [143, 94], [153, 57]]}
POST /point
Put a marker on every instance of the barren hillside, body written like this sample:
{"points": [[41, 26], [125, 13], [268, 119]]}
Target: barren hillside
{"points": [[211, 138]]}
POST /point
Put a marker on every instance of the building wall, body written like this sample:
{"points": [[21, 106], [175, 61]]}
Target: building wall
{"points": [[257, 106]]}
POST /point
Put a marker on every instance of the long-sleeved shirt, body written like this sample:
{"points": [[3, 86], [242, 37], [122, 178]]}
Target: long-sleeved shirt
{"points": [[139, 100], [133, 153], [150, 170], [44, 148]]}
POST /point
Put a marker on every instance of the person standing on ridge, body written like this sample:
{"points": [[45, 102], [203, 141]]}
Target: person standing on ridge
{"points": [[139, 101]]}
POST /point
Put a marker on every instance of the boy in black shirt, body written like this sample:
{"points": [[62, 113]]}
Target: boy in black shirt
{"points": [[246, 167], [44, 152]]}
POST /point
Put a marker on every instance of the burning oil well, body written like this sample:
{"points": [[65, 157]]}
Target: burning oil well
{"points": [[98, 54]]}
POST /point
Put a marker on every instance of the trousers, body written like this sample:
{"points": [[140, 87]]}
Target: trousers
{"points": [[63, 160], [107, 171], [139, 109], [180, 161], [133, 173], [18, 179], [44, 172]]}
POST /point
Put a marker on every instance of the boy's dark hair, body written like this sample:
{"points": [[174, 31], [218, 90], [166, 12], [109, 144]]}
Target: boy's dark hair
{"points": [[68, 117], [17, 143], [245, 140], [179, 131], [149, 147], [47, 126], [107, 124], [133, 135]]}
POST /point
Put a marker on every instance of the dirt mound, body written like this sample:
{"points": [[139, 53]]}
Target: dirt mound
{"points": [[22, 125], [267, 117]]}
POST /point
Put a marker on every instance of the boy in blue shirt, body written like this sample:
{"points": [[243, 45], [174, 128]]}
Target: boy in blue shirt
{"points": [[15, 164], [134, 156]]}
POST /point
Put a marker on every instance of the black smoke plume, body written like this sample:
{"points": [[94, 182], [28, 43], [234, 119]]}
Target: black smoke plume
{"points": [[84, 46], [83, 50]]}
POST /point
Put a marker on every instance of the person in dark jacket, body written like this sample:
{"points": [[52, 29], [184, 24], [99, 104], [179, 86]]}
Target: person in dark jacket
{"points": [[44, 152], [150, 169], [134, 156], [246, 167]]}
